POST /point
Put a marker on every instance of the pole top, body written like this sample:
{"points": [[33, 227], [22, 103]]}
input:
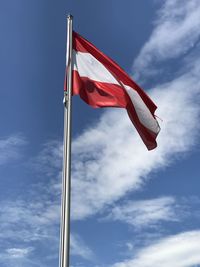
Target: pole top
{"points": [[69, 16]]}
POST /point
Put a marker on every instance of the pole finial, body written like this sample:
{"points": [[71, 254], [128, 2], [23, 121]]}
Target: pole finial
{"points": [[69, 16]]}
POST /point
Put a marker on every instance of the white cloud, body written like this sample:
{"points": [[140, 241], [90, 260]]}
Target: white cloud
{"points": [[35, 222], [79, 248], [146, 213], [176, 31], [181, 250], [10, 148], [19, 252], [18, 257], [109, 158], [49, 160], [28, 221], [129, 246], [152, 213]]}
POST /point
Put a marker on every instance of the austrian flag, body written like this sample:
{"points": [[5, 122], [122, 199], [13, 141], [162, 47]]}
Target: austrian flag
{"points": [[100, 82]]}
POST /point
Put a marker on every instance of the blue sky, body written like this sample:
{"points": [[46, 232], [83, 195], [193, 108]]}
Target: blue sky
{"points": [[130, 207]]}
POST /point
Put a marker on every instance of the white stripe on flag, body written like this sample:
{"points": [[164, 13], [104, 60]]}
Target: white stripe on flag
{"points": [[143, 113], [88, 66]]}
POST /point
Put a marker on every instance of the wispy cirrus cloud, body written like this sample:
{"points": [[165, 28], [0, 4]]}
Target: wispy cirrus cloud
{"points": [[175, 33], [180, 250], [18, 252], [110, 159], [34, 223], [49, 159], [18, 256], [146, 213], [27, 221], [79, 248], [10, 148]]}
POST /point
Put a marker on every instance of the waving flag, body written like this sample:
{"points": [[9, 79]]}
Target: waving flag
{"points": [[100, 82]]}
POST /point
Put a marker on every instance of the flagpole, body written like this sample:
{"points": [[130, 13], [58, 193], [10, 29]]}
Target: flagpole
{"points": [[64, 257]]}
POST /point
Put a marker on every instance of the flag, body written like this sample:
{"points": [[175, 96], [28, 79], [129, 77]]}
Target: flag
{"points": [[100, 82]]}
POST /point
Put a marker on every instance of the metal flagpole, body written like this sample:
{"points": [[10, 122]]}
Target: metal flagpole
{"points": [[66, 178]]}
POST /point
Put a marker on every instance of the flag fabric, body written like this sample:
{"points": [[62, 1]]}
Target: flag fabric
{"points": [[100, 82]]}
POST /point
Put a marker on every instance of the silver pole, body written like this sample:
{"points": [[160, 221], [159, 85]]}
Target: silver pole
{"points": [[66, 178]]}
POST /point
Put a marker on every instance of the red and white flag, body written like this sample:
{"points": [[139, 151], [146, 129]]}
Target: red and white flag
{"points": [[100, 82]]}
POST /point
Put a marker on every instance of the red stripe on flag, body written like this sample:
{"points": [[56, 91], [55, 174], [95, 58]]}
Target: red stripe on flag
{"points": [[99, 94]]}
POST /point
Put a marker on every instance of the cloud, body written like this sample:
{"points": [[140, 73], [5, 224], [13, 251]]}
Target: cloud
{"points": [[146, 213], [79, 248], [181, 250], [10, 148], [176, 31], [19, 252], [35, 223], [17, 256], [109, 159], [143, 215], [49, 159], [29, 221]]}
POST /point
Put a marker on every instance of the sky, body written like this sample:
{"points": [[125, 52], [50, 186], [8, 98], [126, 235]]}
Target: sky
{"points": [[130, 206]]}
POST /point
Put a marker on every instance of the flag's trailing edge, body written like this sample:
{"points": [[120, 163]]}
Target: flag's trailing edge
{"points": [[100, 82]]}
